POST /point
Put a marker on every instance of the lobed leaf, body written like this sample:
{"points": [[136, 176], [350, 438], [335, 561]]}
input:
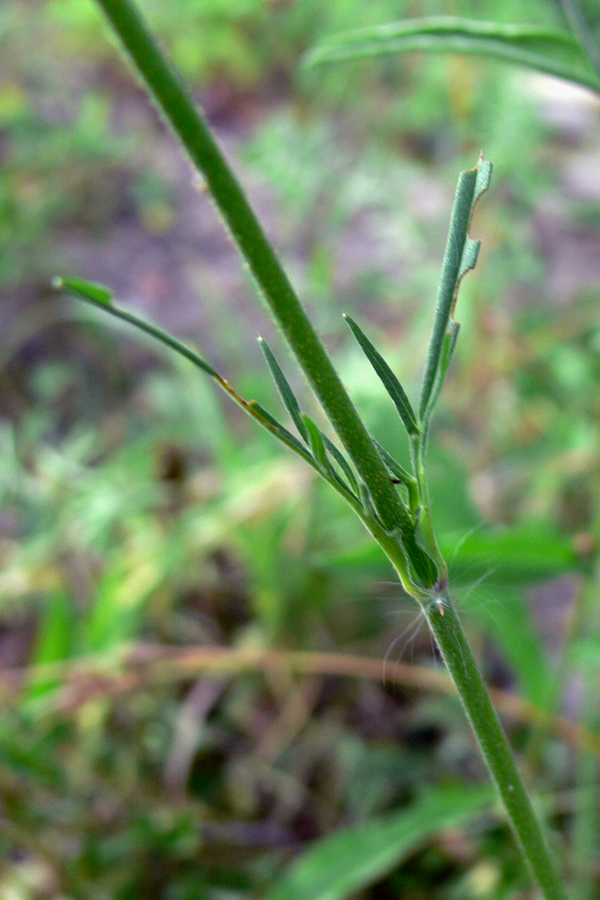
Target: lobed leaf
{"points": [[388, 379], [552, 52], [460, 256]]}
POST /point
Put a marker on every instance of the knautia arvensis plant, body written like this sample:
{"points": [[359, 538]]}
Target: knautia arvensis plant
{"points": [[393, 503]]}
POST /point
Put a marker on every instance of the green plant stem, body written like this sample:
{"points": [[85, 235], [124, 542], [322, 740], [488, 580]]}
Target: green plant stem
{"points": [[189, 125], [457, 654], [397, 536]]}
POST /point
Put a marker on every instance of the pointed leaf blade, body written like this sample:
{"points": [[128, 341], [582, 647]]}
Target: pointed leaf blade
{"points": [[387, 377], [285, 391]]}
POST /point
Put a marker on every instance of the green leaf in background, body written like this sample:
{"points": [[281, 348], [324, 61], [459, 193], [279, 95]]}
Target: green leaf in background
{"points": [[552, 52], [339, 866], [516, 556], [54, 641]]}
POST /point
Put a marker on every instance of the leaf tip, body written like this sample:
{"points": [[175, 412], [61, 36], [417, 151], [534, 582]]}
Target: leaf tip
{"points": [[85, 290]]}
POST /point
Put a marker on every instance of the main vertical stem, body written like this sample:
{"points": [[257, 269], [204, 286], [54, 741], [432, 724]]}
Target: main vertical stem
{"points": [[165, 87], [457, 654]]}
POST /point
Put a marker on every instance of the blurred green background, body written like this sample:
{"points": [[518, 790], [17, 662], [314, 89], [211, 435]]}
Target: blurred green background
{"points": [[161, 558]]}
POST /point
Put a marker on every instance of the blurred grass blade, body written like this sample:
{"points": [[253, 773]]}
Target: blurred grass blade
{"points": [[388, 379], [283, 386], [54, 641], [460, 256], [552, 52], [342, 865], [578, 20]]}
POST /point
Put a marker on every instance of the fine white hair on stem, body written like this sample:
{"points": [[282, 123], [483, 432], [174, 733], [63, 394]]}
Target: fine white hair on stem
{"points": [[408, 634]]}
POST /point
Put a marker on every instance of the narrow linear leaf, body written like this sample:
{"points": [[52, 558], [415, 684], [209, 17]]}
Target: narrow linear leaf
{"points": [[264, 418], [398, 473], [460, 256], [293, 407], [552, 52], [283, 386], [342, 865], [388, 379], [342, 463], [316, 442]]}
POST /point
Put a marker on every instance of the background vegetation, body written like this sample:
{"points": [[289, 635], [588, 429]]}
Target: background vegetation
{"points": [[176, 594]]}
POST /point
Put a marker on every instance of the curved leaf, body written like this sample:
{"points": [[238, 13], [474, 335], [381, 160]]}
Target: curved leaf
{"points": [[552, 52], [341, 865]]}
